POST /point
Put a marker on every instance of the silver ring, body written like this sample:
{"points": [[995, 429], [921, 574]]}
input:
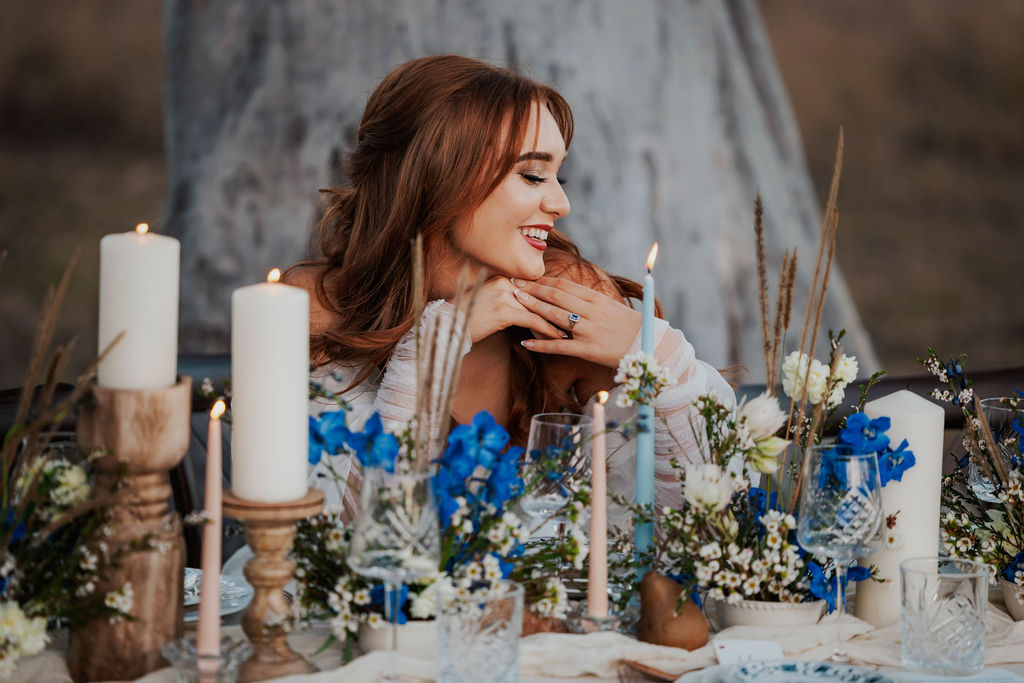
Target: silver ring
{"points": [[573, 319]]}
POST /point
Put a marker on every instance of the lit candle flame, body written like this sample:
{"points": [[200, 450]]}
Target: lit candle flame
{"points": [[650, 257], [602, 396], [142, 228], [274, 275], [217, 410]]}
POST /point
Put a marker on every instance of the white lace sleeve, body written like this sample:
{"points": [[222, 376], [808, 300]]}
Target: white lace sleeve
{"points": [[396, 400], [674, 437]]}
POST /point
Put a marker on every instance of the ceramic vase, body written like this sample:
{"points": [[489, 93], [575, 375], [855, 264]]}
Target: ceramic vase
{"points": [[722, 615], [1014, 605]]}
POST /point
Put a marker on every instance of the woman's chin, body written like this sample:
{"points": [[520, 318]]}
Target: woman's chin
{"points": [[528, 272]]}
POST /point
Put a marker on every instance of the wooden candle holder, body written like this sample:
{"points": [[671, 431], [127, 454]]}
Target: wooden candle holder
{"points": [[144, 434], [267, 621]]}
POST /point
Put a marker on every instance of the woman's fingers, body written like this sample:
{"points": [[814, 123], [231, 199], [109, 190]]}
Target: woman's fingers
{"points": [[497, 308], [603, 328], [557, 315], [558, 291]]}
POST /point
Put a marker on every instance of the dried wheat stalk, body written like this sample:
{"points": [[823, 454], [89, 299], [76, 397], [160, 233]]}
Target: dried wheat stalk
{"points": [[438, 361], [819, 284], [762, 280]]}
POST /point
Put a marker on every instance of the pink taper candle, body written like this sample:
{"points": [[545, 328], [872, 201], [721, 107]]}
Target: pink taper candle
{"points": [[597, 576], [208, 635]]}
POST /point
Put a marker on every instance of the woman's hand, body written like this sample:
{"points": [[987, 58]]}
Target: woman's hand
{"points": [[606, 326], [496, 308]]}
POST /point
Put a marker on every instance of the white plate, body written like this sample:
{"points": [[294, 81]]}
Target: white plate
{"points": [[791, 671], [235, 595]]}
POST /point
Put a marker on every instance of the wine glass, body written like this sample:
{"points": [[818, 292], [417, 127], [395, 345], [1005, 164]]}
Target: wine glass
{"points": [[396, 537], [840, 512], [557, 455], [1000, 413]]}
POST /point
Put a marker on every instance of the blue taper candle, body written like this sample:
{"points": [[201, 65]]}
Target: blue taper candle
{"points": [[644, 533]]}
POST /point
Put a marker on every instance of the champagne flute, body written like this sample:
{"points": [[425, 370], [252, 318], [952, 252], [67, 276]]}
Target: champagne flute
{"points": [[557, 455], [396, 537], [840, 512]]}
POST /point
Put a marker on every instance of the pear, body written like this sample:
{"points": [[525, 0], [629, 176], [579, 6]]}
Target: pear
{"points": [[659, 623]]}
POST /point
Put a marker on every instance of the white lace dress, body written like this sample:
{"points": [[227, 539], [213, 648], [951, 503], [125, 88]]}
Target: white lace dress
{"points": [[393, 395]]}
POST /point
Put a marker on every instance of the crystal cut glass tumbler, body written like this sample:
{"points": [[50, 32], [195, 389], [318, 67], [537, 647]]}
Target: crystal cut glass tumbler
{"points": [[944, 604], [478, 635]]}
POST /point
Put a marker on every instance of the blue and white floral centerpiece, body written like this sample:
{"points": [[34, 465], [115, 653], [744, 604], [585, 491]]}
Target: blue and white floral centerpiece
{"points": [[476, 482]]}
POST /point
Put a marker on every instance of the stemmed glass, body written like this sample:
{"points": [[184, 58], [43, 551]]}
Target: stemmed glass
{"points": [[840, 512], [396, 537], [1001, 413], [557, 455]]}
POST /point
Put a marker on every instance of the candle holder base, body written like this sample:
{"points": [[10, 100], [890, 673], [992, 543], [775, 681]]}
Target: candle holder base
{"points": [[191, 667], [141, 434], [270, 532], [580, 622]]}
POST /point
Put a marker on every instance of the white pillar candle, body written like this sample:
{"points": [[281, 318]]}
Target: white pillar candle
{"points": [[597, 573], [139, 296], [208, 632], [269, 391], [916, 497]]}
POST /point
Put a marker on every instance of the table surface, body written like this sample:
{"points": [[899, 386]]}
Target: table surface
{"points": [[548, 657]]}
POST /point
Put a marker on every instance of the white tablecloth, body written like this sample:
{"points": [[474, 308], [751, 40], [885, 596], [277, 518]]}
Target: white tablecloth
{"points": [[548, 657]]}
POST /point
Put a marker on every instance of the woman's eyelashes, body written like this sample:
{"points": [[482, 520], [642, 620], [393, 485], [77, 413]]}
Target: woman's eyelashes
{"points": [[535, 179]]}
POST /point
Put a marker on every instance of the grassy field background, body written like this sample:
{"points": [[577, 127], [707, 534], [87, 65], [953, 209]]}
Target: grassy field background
{"points": [[931, 94]]}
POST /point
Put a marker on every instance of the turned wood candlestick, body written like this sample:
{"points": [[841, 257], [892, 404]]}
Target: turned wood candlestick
{"points": [[143, 434], [267, 621]]}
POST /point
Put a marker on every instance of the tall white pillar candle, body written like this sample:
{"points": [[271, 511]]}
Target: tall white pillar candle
{"points": [[597, 573], [139, 296], [269, 391], [208, 632], [915, 497]]}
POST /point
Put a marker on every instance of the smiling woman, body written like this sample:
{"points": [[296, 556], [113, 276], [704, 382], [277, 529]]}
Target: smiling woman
{"points": [[467, 155]]}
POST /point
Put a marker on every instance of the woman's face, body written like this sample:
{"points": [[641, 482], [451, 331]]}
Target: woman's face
{"points": [[507, 233]]}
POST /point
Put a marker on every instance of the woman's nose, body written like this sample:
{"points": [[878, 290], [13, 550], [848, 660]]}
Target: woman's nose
{"points": [[556, 202]]}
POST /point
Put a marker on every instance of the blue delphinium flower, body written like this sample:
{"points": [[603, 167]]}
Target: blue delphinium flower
{"points": [[328, 432], [373, 447], [477, 467], [865, 435], [893, 463]]}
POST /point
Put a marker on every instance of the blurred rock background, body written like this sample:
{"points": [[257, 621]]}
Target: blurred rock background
{"points": [[931, 94]]}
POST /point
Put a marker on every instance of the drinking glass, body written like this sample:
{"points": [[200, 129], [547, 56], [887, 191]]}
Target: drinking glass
{"points": [[1000, 413], [478, 635], [557, 456], [944, 602], [840, 512], [396, 537]]}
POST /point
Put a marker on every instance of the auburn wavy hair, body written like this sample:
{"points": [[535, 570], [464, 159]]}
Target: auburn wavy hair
{"points": [[436, 138]]}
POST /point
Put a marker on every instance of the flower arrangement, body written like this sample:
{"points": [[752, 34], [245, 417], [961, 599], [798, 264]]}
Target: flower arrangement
{"points": [[477, 483], [52, 549], [731, 539], [983, 498]]}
